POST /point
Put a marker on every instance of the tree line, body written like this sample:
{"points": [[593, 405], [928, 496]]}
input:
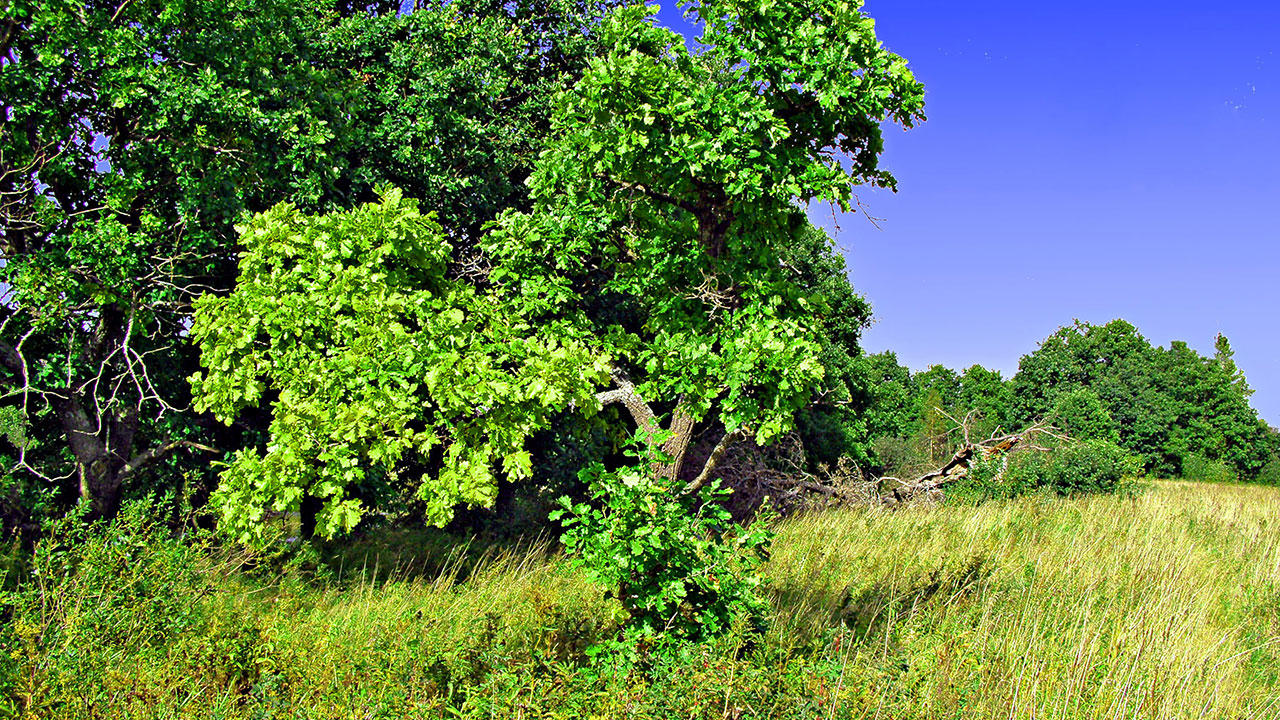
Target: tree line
{"points": [[1174, 409]]}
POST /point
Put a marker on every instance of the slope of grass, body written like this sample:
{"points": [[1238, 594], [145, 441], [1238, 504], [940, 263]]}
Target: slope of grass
{"points": [[1164, 605]]}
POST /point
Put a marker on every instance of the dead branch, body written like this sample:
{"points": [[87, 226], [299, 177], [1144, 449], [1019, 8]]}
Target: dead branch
{"points": [[958, 466]]}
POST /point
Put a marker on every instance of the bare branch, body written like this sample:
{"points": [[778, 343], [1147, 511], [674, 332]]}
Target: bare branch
{"points": [[159, 452], [717, 454], [626, 394], [652, 193]]}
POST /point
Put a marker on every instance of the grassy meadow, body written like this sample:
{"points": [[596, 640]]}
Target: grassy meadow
{"points": [[1165, 604]]}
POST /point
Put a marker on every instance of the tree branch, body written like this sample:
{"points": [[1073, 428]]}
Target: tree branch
{"points": [[626, 394], [652, 193], [143, 459], [713, 461]]}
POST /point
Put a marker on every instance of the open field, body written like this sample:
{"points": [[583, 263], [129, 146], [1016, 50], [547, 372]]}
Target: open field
{"points": [[1163, 605]]}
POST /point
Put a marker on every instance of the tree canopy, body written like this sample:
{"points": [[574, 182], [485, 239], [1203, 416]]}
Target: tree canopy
{"points": [[136, 135], [652, 253]]}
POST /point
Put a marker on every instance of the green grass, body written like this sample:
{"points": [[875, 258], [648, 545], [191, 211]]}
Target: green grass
{"points": [[1163, 605]]}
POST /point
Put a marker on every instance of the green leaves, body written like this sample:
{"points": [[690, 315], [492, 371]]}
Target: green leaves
{"points": [[670, 185], [677, 563], [378, 358]]}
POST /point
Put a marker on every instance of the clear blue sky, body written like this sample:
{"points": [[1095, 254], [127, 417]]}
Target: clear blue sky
{"points": [[1087, 160]]}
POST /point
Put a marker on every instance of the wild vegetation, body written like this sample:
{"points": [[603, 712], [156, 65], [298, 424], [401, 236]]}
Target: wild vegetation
{"points": [[283, 287], [1159, 604]]}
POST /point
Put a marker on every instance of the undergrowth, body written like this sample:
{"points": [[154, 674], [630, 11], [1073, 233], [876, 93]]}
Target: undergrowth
{"points": [[1163, 605]]}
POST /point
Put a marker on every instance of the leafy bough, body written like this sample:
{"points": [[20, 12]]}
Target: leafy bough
{"points": [[375, 357]]}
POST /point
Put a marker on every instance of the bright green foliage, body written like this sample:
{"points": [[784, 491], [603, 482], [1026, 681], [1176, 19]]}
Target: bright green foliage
{"points": [[987, 395], [1081, 415], [376, 356], [678, 564], [134, 137], [665, 198]]}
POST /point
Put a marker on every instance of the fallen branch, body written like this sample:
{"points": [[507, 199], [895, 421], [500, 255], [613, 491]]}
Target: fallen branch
{"points": [[962, 461]]}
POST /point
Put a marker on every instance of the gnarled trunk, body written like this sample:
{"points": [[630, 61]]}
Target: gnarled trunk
{"points": [[676, 445]]}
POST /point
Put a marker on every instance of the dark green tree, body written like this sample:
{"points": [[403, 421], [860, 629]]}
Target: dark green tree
{"points": [[135, 135], [836, 423], [1166, 404]]}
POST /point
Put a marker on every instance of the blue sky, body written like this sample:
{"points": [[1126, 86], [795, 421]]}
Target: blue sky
{"points": [[1087, 160]]}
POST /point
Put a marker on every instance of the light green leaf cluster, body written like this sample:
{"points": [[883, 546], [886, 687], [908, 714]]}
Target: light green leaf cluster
{"points": [[375, 356]]}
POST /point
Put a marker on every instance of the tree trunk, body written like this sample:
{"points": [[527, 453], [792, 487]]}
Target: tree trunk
{"points": [[100, 487], [98, 469], [677, 444]]}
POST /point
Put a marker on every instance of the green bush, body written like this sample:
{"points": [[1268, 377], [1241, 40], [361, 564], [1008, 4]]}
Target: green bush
{"points": [[1083, 416], [1092, 466], [1199, 467], [675, 561], [1270, 473]]}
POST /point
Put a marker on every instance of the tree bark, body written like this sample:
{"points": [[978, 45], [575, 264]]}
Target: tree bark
{"points": [[681, 427]]}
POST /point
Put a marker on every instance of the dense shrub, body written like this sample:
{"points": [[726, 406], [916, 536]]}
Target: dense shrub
{"points": [[1199, 467], [1270, 473], [1092, 466], [676, 561]]}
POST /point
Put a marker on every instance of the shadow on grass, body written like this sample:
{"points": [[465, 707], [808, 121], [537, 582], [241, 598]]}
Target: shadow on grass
{"points": [[869, 610], [420, 553]]}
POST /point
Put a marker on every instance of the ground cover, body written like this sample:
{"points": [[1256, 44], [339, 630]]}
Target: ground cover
{"points": [[1165, 604]]}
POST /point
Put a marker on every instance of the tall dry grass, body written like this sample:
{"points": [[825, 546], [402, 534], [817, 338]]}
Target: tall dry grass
{"points": [[1164, 605]]}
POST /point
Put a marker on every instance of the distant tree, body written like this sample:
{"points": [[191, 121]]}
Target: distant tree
{"points": [[1081, 415], [887, 399], [937, 392], [1212, 417], [985, 393], [1166, 404]]}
